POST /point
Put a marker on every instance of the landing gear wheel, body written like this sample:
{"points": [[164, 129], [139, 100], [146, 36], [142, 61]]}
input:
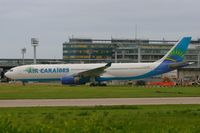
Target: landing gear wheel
{"points": [[23, 83], [98, 84], [104, 84], [93, 84]]}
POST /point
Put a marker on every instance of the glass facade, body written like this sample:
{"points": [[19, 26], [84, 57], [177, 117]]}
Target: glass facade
{"points": [[82, 50]]}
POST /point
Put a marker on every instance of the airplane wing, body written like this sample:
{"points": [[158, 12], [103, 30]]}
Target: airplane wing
{"points": [[96, 72]]}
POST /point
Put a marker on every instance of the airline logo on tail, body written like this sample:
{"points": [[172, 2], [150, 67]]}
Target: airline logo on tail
{"points": [[177, 53]]}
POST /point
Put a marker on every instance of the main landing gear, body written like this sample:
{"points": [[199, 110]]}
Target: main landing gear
{"points": [[98, 84]]}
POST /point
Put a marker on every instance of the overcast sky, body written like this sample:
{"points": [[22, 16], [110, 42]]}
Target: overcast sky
{"points": [[54, 21]]}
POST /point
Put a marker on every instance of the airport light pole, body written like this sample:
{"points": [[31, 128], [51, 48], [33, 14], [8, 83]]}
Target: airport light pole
{"points": [[34, 42], [23, 50]]}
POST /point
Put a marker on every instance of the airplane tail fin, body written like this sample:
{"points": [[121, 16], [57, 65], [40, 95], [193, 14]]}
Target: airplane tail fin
{"points": [[177, 52]]}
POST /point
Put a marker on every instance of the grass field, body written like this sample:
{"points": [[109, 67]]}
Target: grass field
{"points": [[56, 91], [117, 119]]}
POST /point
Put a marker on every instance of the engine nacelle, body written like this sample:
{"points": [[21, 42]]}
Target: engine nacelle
{"points": [[70, 80]]}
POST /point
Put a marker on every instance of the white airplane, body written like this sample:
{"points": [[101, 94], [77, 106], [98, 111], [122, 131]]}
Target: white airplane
{"points": [[75, 74]]}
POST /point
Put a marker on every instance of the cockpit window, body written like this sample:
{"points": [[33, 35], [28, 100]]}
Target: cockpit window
{"points": [[11, 70]]}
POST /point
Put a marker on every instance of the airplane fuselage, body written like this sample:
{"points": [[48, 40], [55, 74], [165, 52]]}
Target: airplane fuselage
{"points": [[57, 71]]}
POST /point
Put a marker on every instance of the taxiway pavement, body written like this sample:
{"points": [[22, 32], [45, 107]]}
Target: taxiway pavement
{"points": [[99, 102]]}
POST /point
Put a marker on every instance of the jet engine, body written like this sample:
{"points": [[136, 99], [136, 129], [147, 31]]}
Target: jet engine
{"points": [[70, 80]]}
